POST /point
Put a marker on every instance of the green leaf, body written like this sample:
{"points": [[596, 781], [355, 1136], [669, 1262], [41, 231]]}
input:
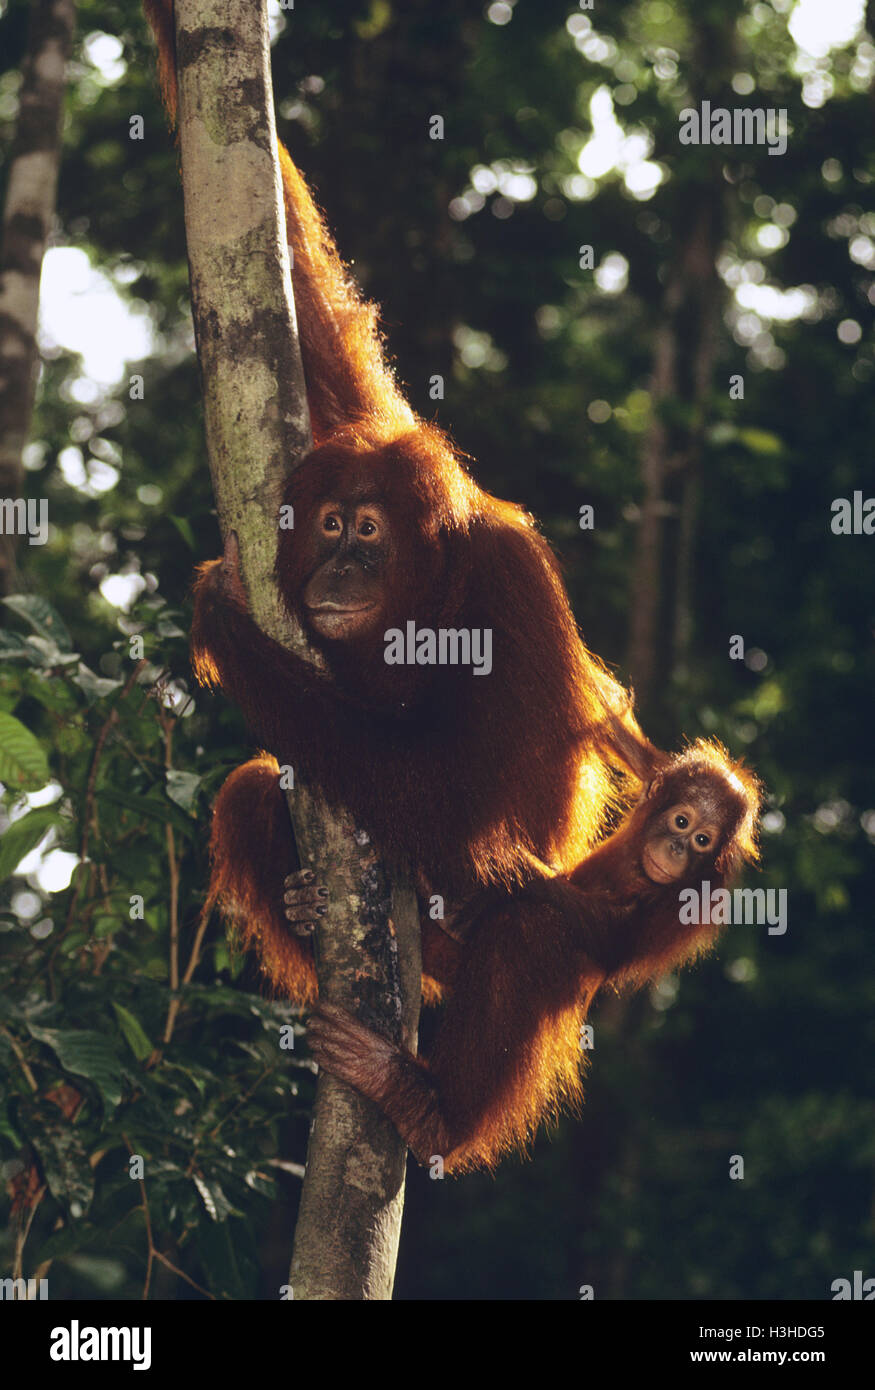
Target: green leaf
{"points": [[217, 1204], [45, 652], [155, 969], [147, 807], [51, 693], [263, 1185], [166, 627], [183, 526], [22, 836], [88, 1054], [13, 646], [62, 1152], [721, 433], [769, 700], [760, 441], [39, 613], [8, 1130], [133, 1031], [23, 764], [83, 1235], [228, 1258], [94, 686], [182, 787]]}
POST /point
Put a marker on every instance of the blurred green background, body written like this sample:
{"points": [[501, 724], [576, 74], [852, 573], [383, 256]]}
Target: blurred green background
{"points": [[566, 383]]}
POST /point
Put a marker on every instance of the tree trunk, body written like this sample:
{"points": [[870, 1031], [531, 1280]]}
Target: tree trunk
{"points": [[27, 219], [367, 944], [683, 364], [684, 356]]}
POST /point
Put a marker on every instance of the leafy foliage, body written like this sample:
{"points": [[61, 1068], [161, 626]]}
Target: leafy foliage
{"points": [[99, 1067]]}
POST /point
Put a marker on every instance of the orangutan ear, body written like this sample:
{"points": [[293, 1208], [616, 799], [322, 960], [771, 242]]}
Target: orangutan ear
{"points": [[653, 787]]}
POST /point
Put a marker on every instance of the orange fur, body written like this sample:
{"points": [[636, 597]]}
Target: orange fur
{"points": [[507, 1055], [252, 849], [503, 787]]}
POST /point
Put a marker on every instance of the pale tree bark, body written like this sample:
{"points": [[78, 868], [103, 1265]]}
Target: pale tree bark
{"points": [[257, 426], [27, 220]]}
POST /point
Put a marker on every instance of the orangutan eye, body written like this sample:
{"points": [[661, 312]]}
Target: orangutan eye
{"points": [[702, 841], [368, 528], [681, 822], [331, 522]]}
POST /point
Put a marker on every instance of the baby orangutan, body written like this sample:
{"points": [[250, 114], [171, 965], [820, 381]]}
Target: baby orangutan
{"points": [[520, 983]]}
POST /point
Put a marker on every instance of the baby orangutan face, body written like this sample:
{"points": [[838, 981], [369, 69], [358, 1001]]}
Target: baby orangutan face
{"points": [[680, 841]]}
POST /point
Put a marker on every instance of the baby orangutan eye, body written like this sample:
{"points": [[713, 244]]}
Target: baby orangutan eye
{"points": [[702, 841], [681, 822]]}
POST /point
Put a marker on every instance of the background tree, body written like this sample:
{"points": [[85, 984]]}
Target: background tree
{"points": [[28, 210]]}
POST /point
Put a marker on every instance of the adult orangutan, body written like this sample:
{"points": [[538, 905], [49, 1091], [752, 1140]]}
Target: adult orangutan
{"points": [[482, 779]]}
